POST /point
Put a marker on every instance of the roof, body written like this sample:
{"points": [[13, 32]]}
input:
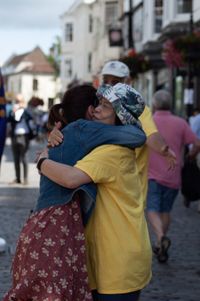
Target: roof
{"points": [[36, 62], [72, 8]]}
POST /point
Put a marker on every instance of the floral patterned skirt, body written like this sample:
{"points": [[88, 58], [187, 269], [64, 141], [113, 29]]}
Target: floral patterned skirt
{"points": [[50, 259]]}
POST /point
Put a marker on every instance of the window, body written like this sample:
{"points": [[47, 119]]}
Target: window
{"points": [[111, 12], [158, 9], [184, 6], [35, 84], [90, 62], [68, 68], [90, 23], [68, 32], [138, 25]]}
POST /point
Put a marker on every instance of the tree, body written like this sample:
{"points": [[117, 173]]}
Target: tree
{"points": [[54, 55]]}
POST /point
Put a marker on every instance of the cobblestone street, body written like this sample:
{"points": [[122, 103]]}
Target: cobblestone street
{"points": [[179, 279]]}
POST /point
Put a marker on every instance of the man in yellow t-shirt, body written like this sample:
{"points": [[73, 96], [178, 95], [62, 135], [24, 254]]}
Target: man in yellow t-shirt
{"points": [[103, 221], [117, 239]]}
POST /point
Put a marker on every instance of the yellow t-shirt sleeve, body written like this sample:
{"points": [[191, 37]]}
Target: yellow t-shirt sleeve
{"points": [[148, 124], [96, 167]]}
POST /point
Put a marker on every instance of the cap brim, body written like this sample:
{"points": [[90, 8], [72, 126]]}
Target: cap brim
{"points": [[115, 74]]}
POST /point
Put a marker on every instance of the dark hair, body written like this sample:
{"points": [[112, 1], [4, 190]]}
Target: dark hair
{"points": [[74, 105]]}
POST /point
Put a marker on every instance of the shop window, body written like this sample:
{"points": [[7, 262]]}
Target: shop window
{"points": [[184, 6], [111, 13]]}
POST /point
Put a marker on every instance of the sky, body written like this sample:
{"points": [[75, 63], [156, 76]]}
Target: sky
{"points": [[25, 24]]}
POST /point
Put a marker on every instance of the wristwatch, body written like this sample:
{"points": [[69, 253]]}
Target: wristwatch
{"points": [[39, 164]]}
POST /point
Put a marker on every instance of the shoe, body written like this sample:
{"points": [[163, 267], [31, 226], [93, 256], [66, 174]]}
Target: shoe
{"points": [[163, 250], [15, 182]]}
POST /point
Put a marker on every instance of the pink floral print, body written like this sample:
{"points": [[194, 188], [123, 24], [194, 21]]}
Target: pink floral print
{"points": [[50, 259]]}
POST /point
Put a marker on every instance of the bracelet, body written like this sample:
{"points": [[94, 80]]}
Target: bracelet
{"points": [[164, 150], [41, 160]]}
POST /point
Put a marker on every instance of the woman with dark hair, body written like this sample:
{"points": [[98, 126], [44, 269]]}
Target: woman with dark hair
{"points": [[50, 263]]}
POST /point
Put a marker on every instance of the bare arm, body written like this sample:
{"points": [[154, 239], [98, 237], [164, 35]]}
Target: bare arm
{"points": [[62, 174], [158, 144]]}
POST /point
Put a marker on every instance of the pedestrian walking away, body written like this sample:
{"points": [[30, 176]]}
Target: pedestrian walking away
{"points": [[164, 183], [21, 123]]}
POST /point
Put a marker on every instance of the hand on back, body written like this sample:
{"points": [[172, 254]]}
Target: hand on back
{"points": [[171, 158], [55, 136]]}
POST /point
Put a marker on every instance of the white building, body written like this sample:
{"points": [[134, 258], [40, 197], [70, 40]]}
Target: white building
{"points": [[154, 22], [85, 41], [30, 74]]}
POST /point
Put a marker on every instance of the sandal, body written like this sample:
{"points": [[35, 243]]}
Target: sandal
{"points": [[163, 252], [155, 249]]}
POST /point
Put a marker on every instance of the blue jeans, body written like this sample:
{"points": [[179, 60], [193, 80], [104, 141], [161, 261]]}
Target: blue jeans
{"points": [[133, 296]]}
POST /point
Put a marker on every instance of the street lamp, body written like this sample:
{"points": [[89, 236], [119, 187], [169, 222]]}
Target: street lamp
{"points": [[130, 28]]}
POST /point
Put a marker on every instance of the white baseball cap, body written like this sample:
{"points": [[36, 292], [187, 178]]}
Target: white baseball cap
{"points": [[115, 68]]}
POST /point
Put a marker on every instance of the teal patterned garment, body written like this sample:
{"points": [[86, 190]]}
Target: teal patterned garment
{"points": [[126, 101]]}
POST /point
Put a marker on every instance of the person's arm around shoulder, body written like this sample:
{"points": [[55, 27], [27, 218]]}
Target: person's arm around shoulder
{"points": [[96, 134], [62, 174]]}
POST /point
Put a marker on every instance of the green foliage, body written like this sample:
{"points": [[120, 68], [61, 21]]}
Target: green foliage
{"points": [[182, 50], [54, 55], [137, 63]]}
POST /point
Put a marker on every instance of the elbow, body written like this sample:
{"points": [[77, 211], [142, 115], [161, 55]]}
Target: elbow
{"points": [[142, 139], [70, 184]]}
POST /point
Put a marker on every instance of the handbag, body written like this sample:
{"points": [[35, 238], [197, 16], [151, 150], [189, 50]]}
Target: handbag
{"points": [[190, 176]]}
